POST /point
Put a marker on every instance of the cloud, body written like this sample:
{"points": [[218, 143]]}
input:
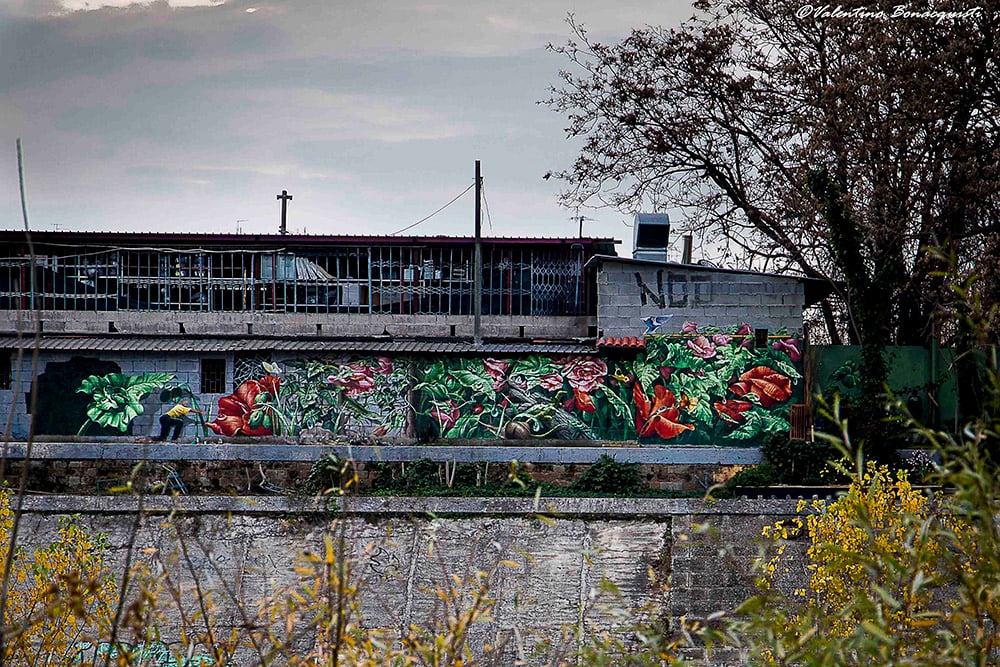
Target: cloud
{"points": [[196, 112], [95, 5], [309, 114]]}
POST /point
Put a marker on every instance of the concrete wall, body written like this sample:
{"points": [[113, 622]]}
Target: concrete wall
{"points": [[186, 369], [655, 551], [627, 292], [341, 324]]}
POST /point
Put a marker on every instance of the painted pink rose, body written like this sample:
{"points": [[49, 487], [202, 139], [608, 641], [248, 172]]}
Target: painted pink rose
{"points": [[446, 414], [721, 339], [747, 331], [585, 374], [701, 347], [689, 327], [551, 382], [497, 369], [358, 379], [384, 365], [790, 346]]}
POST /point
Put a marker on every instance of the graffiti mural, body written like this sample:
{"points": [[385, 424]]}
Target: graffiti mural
{"points": [[704, 386], [60, 409], [712, 386], [116, 398], [147, 654], [531, 397], [361, 396]]}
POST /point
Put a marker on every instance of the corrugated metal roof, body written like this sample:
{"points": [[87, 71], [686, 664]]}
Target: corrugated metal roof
{"points": [[279, 240], [168, 344]]}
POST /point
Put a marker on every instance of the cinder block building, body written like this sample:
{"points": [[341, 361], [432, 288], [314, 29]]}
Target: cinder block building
{"points": [[377, 336]]}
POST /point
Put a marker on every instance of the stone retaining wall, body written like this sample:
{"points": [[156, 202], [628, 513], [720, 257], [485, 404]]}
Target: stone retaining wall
{"points": [[546, 558]]}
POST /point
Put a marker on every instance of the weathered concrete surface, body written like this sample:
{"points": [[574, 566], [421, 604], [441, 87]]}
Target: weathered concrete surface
{"points": [[546, 559], [124, 449]]}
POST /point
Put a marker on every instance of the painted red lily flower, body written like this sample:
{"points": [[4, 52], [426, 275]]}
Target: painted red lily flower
{"points": [[768, 385], [237, 411], [446, 414], [658, 416], [731, 410]]}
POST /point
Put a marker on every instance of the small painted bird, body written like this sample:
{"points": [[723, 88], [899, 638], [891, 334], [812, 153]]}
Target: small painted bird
{"points": [[653, 324]]}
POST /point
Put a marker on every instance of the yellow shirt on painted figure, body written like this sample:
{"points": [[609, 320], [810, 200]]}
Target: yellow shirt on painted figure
{"points": [[178, 411]]}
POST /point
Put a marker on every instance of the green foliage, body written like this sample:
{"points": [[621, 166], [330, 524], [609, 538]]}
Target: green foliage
{"points": [[798, 462], [430, 478], [790, 462], [608, 476], [116, 398], [330, 474], [752, 477]]}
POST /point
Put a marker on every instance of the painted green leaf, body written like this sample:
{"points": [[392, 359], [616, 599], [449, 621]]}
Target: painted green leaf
{"points": [[779, 362], [116, 397], [467, 426], [647, 374], [479, 384]]}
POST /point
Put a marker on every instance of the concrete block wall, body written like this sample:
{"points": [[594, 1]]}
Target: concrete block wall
{"points": [[295, 324], [185, 367], [656, 551], [629, 292]]}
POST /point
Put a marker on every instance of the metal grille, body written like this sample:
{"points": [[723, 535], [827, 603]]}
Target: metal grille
{"points": [[213, 376], [249, 367], [417, 279]]}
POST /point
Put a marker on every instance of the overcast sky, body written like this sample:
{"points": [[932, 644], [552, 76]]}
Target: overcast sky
{"points": [[192, 115]]}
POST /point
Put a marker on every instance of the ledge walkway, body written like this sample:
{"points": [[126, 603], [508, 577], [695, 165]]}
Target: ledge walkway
{"points": [[566, 453]]}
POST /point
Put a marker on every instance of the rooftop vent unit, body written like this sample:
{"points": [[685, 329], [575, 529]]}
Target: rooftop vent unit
{"points": [[651, 234]]}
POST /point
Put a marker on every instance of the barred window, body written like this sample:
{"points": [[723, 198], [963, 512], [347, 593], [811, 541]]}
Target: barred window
{"points": [[213, 376], [6, 370]]}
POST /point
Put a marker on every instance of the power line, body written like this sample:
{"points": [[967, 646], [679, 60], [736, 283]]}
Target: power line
{"points": [[489, 218], [424, 219]]}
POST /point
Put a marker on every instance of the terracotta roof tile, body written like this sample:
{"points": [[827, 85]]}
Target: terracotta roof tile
{"points": [[631, 342]]}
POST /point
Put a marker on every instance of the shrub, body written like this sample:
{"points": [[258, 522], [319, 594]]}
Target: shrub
{"points": [[606, 475], [57, 595], [798, 462]]}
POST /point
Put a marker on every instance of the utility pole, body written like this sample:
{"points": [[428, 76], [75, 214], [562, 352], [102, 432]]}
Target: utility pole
{"points": [[477, 271], [285, 198]]}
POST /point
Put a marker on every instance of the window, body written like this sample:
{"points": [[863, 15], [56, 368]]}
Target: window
{"points": [[6, 370], [213, 376]]}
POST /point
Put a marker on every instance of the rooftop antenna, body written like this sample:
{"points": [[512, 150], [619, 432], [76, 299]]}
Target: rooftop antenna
{"points": [[285, 198], [579, 219], [239, 226]]}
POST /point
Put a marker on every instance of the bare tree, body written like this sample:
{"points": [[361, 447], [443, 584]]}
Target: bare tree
{"points": [[837, 147], [835, 143]]}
